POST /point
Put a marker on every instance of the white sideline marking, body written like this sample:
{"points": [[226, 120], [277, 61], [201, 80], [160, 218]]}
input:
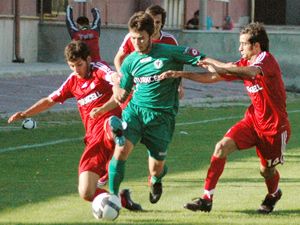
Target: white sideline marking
{"points": [[76, 139], [39, 145], [208, 121]]}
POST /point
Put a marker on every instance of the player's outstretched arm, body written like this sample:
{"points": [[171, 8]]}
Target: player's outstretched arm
{"points": [[109, 105], [247, 71], [205, 77], [96, 24], [209, 63], [40, 106], [71, 26]]}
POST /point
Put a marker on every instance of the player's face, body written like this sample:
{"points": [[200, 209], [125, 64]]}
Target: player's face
{"points": [[80, 67], [157, 24], [246, 49], [141, 40]]}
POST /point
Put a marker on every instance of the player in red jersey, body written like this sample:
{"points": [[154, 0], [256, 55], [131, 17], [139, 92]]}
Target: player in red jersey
{"points": [[159, 16], [89, 85], [83, 31], [265, 124]]}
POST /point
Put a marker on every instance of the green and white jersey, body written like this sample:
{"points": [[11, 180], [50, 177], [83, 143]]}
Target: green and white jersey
{"points": [[144, 69]]}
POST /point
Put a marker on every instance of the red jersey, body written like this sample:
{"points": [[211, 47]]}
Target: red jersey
{"points": [[90, 93], [165, 38], [267, 94], [91, 38], [89, 35]]}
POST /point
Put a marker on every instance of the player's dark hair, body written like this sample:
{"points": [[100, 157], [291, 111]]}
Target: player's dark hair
{"points": [[257, 34], [155, 10], [83, 21], [76, 50], [141, 21]]}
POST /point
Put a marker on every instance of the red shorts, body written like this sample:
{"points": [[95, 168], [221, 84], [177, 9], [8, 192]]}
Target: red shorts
{"points": [[98, 151], [269, 149]]}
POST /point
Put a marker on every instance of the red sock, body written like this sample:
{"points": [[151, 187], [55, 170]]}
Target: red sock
{"points": [[272, 183], [97, 192], [214, 172]]}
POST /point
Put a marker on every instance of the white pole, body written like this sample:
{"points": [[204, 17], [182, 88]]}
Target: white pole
{"points": [[252, 10], [202, 14]]}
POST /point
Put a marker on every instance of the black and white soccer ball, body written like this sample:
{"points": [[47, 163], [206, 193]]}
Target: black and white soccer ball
{"points": [[28, 123], [106, 206]]}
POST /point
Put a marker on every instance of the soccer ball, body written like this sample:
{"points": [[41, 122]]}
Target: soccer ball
{"points": [[28, 123], [106, 206]]}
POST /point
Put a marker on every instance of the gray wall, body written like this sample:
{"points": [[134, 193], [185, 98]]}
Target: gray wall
{"points": [[223, 45], [293, 12]]}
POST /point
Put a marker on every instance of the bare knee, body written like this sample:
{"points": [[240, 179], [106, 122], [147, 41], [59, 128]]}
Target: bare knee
{"points": [[267, 173], [224, 147], [86, 193]]}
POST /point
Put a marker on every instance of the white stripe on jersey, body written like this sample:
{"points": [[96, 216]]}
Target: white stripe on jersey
{"points": [[58, 91], [124, 41], [166, 34], [259, 59], [283, 145], [106, 69]]}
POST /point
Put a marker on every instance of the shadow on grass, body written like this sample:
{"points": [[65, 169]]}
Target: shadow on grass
{"points": [[140, 222], [287, 213]]}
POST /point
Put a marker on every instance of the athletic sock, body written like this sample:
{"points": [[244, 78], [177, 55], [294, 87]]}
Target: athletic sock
{"points": [[115, 174], [157, 179], [97, 192], [213, 174], [272, 183]]}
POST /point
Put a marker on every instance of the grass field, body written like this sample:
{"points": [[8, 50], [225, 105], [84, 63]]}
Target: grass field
{"points": [[38, 181]]}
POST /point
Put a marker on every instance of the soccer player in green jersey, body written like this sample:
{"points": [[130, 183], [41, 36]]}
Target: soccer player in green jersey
{"points": [[150, 115]]}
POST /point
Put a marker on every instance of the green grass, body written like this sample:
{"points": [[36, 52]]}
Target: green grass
{"points": [[38, 185]]}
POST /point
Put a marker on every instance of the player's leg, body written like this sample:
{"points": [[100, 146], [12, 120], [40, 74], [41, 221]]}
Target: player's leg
{"points": [[240, 136], [87, 185], [157, 136], [272, 177], [121, 153], [157, 170], [113, 134], [270, 150], [91, 167], [113, 129], [222, 149], [116, 169]]}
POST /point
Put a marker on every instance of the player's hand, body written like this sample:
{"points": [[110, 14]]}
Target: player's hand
{"points": [[95, 10], [95, 112], [207, 65], [169, 74], [15, 117], [115, 78], [120, 95]]}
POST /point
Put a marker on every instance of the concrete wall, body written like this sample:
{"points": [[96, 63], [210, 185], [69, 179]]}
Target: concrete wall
{"points": [[222, 45], [28, 41], [7, 40], [293, 12]]}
